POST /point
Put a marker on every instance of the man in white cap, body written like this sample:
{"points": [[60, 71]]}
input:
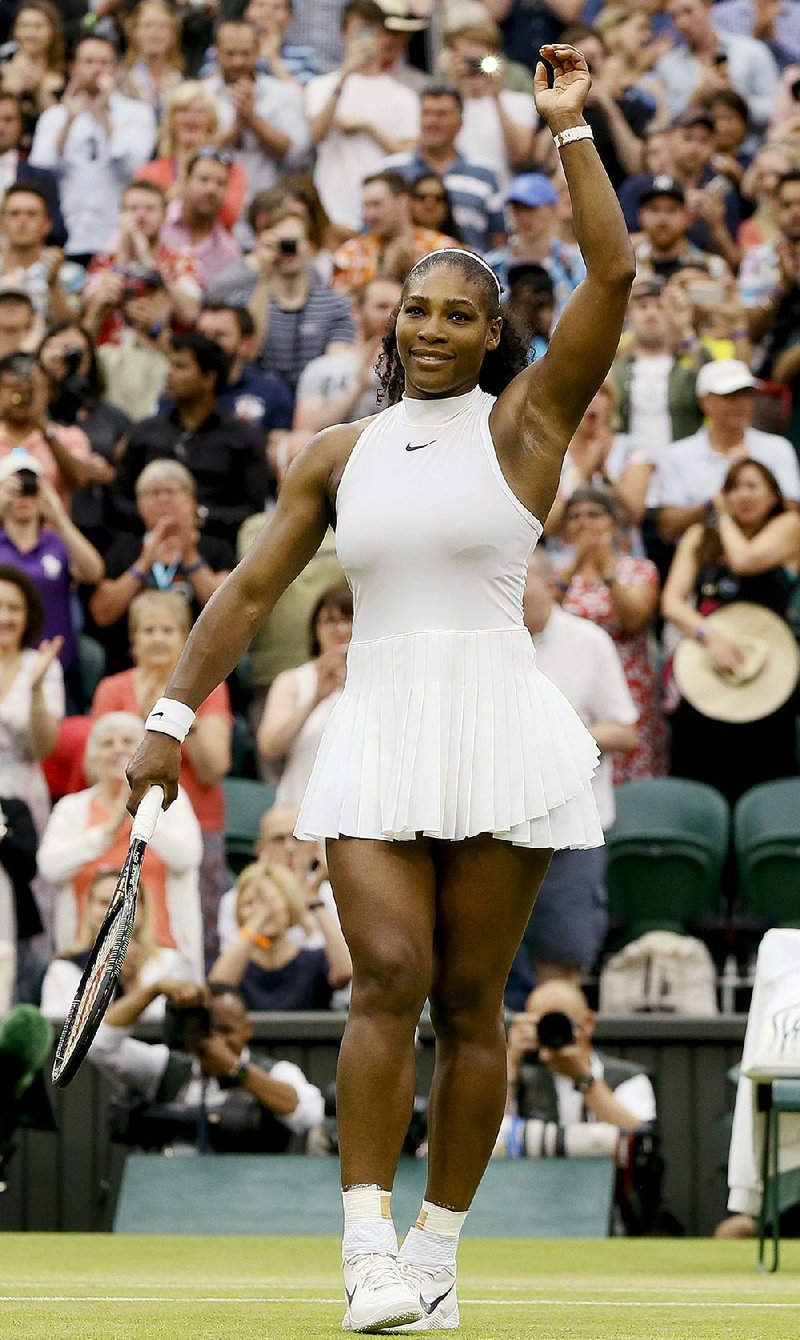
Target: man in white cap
{"points": [[691, 472]]}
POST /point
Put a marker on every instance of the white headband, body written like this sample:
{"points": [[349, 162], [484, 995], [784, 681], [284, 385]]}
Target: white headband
{"points": [[460, 251]]}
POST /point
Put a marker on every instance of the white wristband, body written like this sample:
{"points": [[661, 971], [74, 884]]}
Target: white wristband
{"points": [[171, 717], [574, 133]]}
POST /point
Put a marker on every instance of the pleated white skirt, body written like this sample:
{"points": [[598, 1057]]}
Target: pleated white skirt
{"points": [[452, 734]]}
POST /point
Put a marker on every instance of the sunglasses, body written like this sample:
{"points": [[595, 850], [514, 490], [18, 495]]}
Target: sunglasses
{"points": [[209, 154], [438, 196]]}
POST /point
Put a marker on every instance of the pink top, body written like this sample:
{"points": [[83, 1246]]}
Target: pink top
{"points": [[214, 253], [162, 172]]}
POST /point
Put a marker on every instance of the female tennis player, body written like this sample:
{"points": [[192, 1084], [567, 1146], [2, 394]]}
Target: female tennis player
{"points": [[450, 768]]}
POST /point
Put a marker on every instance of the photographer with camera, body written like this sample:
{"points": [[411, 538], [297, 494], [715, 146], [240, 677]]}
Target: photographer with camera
{"points": [[201, 1086], [559, 1086]]}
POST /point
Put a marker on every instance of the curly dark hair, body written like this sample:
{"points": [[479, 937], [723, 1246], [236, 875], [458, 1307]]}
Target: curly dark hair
{"points": [[500, 365]]}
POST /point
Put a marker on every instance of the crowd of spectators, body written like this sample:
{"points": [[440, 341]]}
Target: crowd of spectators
{"points": [[206, 214]]}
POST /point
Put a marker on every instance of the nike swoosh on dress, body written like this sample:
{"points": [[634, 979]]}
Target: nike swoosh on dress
{"points": [[419, 445]]}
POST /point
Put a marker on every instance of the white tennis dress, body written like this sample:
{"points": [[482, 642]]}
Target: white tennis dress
{"points": [[445, 726]]}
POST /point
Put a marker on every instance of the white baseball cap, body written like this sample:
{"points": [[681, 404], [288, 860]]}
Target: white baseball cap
{"points": [[723, 376], [16, 460]]}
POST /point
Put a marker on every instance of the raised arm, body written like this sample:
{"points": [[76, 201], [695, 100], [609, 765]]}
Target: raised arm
{"points": [[537, 414], [244, 601]]}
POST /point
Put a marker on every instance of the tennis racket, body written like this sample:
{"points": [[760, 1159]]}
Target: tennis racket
{"points": [[101, 974]]}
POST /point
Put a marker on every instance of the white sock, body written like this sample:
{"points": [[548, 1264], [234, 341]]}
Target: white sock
{"points": [[433, 1241], [368, 1223]]}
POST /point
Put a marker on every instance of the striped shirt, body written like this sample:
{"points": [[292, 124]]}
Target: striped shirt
{"points": [[474, 192], [294, 338], [317, 23]]}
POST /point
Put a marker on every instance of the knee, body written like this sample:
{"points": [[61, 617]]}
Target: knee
{"points": [[390, 979], [467, 1011]]}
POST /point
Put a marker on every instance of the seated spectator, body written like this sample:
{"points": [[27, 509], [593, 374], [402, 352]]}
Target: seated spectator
{"points": [[89, 832], [566, 932], [19, 170], [193, 221], [37, 536], [599, 455], [656, 371], [159, 625], [190, 122], [690, 473], [35, 72], [282, 643], [297, 317], [402, 20], [20, 921], [631, 46], [52, 284], [760, 187], [173, 555], [358, 115], [472, 185], [574, 1084], [741, 551], [153, 65], [262, 118], [138, 247], [223, 454], [663, 245], [498, 125], [704, 58], [531, 305], [343, 387], [77, 399], [257, 397], [276, 844], [777, 27], [300, 701], [223, 1097], [620, 593], [271, 20], [145, 960], [136, 365], [392, 245], [63, 453], [31, 694], [271, 971], [432, 205], [531, 202], [94, 139], [19, 328]]}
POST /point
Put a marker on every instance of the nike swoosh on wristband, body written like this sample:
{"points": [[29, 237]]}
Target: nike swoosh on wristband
{"points": [[156, 714], [428, 1308], [419, 445]]}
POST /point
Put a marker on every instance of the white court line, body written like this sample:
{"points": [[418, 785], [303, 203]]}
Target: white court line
{"points": [[468, 1302]]}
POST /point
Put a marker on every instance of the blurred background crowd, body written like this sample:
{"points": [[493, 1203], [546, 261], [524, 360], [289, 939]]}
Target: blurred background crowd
{"points": [[207, 210]]}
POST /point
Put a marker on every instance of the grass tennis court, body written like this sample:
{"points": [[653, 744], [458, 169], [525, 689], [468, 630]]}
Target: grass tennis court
{"points": [[69, 1287]]}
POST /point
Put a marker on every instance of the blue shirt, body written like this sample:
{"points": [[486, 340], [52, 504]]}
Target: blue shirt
{"points": [[474, 192], [259, 397]]}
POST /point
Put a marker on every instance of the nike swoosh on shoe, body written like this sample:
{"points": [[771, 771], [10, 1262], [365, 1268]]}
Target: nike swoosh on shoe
{"points": [[428, 1308]]}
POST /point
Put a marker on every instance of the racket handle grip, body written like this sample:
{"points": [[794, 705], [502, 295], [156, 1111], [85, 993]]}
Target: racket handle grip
{"points": [[147, 814]]}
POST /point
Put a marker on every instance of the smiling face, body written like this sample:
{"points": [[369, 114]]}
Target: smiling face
{"points": [[33, 32], [192, 126], [112, 752], [443, 332], [750, 497], [13, 617], [334, 628], [157, 639]]}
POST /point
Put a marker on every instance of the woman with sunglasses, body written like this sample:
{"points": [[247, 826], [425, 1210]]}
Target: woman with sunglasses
{"points": [[431, 206]]}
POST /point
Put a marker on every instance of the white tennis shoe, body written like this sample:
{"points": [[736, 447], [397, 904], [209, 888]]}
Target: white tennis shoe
{"points": [[435, 1286], [378, 1297]]}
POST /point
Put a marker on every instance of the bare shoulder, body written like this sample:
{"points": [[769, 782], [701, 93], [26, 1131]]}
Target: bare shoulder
{"points": [[333, 447]]}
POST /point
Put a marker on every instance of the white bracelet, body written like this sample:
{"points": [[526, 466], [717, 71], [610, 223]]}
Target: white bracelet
{"points": [[570, 136], [171, 717]]}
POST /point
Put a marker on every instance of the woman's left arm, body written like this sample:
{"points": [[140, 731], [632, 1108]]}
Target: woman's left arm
{"points": [[777, 542], [42, 723], [635, 603], [537, 414], [85, 563], [208, 745]]}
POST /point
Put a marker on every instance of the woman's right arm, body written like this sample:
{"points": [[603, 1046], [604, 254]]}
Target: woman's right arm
{"points": [[245, 600], [675, 603], [283, 718]]}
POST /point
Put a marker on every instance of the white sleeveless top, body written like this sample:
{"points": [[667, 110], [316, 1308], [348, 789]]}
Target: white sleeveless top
{"points": [[445, 726]]}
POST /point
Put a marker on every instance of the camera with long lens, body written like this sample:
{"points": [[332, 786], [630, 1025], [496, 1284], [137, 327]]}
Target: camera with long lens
{"points": [[556, 1030]]}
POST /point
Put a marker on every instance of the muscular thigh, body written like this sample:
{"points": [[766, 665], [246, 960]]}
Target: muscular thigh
{"points": [[386, 898], [486, 890]]}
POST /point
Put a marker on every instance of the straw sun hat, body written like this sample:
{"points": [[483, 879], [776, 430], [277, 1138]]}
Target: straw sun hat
{"points": [[765, 679]]}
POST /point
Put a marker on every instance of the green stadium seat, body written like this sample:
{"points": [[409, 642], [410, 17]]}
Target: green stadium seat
{"points": [[91, 664], [666, 853], [766, 836], [245, 802]]}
